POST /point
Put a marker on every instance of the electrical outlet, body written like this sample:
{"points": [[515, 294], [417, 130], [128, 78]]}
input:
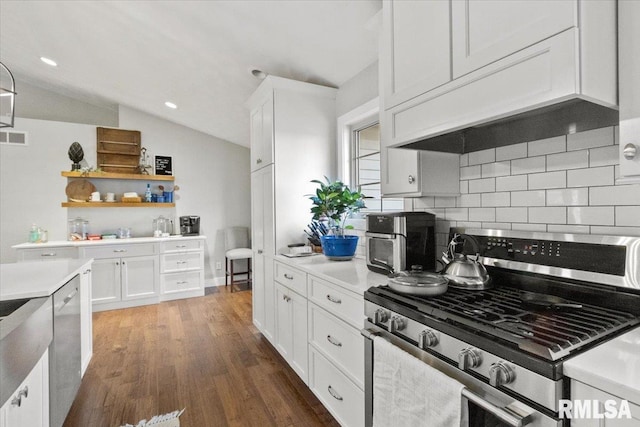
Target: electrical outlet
{"points": [[218, 265]]}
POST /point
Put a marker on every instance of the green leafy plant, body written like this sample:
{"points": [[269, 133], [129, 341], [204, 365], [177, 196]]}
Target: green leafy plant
{"points": [[335, 202]]}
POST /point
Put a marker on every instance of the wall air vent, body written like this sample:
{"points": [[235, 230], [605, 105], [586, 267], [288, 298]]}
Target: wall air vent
{"points": [[13, 137]]}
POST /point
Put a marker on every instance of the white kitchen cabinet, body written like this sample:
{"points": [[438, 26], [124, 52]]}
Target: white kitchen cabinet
{"points": [[262, 241], [488, 30], [181, 269], [86, 320], [29, 405], [499, 74], [584, 392], [291, 329], [46, 254], [415, 48], [411, 173], [262, 133], [139, 277], [105, 284]]}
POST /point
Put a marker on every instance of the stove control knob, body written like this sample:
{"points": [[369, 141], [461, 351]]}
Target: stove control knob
{"points": [[396, 324], [469, 358], [427, 338], [500, 374], [380, 316]]}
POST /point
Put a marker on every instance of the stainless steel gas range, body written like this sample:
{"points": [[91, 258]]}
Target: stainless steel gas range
{"points": [[507, 352]]}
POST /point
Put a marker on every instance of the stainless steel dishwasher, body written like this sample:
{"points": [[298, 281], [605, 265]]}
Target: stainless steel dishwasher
{"points": [[64, 351]]}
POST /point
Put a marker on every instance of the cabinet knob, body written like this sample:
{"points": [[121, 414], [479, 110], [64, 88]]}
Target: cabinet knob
{"points": [[629, 152], [259, 251], [259, 161], [411, 179]]}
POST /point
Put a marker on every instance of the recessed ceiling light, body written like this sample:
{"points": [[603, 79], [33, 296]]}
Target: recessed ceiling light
{"points": [[259, 74], [171, 105], [49, 61]]}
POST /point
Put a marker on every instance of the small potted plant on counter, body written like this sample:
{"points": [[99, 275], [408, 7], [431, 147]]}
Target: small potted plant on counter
{"points": [[334, 202]]}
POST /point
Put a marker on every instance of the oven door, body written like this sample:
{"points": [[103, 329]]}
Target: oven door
{"points": [[483, 405], [385, 250]]}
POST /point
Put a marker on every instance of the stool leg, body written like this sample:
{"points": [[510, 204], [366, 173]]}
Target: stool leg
{"points": [[226, 270], [249, 273], [231, 268]]}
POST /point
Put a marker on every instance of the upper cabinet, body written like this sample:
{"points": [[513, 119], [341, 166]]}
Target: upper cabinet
{"points": [[506, 58], [415, 48], [262, 131]]}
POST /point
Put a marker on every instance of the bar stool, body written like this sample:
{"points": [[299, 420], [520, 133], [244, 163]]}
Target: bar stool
{"points": [[237, 247]]}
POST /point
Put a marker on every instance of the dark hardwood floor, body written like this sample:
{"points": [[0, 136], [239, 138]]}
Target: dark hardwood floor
{"points": [[202, 354]]}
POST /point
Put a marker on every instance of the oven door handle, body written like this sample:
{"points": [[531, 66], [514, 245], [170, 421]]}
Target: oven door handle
{"points": [[505, 415]]}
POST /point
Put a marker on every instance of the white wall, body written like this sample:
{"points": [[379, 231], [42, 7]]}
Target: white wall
{"points": [[358, 90], [213, 176]]}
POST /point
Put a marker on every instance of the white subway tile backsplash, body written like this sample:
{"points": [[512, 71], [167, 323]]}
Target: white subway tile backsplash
{"points": [[464, 160], [556, 144], [616, 231], [570, 160], [511, 183], [486, 185], [591, 215], [491, 170], [471, 172], [548, 215], [482, 214], [528, 198], [615, 195], [616, 135], [464, 187], [528, 165], [442, 225], [483, 156], [469, 224], [456, 214], [445, 202], [496, 199], [628, 216], [469, 201], [568, 197], [590, 139], [496, 225], [590, 177], [538, 181], [424, 203], [573, 229], [604, 156], [512, 214], [510, 152], [528, 227]]}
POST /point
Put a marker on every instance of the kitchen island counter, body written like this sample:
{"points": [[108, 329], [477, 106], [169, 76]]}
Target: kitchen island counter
{"points": [[352, 275], [613, 367], [38, 279]]}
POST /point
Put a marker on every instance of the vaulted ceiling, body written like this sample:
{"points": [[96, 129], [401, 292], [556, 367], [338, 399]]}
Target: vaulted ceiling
{"points": [[196, 54]]}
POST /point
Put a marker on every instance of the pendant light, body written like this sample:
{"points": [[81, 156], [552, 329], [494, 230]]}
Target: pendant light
{"points": [[7, 97]]}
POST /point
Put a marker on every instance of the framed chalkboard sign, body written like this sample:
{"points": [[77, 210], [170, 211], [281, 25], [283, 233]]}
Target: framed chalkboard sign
{"points": [[163, 165]]}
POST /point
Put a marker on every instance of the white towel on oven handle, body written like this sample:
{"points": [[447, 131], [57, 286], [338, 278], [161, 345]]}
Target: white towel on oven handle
{"points": [[407, 392]]}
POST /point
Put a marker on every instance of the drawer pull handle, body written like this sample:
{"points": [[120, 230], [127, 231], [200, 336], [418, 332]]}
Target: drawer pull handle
{"points": [[334, 300], [286, 298], [335, 395], [333, 341], [49, 254], [288, 277], [181, 246], [182, 282], [181, 262], [17, 401], [259, 161], [119, 250], [87, 271]]}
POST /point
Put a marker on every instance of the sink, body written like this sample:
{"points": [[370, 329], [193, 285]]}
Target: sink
{"points": [[26, 330]]}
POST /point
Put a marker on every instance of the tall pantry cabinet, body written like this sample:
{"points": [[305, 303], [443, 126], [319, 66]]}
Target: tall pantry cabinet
{"points": [[292, 142]]}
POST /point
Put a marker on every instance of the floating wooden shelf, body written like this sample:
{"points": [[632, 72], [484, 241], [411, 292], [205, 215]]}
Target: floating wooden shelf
{"points": [[116, 205], [108, 175]]}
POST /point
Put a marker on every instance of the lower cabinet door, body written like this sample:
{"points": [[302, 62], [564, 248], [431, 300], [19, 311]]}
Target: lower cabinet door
{"points": [[337, 393], [105, 281], [28, 406], [86, 319], [291, 329], [139, 277]]}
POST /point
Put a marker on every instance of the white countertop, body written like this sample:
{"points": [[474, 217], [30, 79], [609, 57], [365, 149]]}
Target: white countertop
{"points": [[352, 275], [78, 243], [36, 278], [613, 367]]}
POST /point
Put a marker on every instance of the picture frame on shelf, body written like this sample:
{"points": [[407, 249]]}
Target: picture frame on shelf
{"points": [[163, 165]]}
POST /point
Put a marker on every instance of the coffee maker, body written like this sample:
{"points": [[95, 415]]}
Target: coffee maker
{"points": [[190, 225]]}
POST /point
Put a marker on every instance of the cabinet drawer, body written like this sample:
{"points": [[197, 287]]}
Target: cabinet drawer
{"points": [[181, 262], [180, 282], [291, 277], [119, 251], [180, 245], [338, 341], [344, 400], [347, 306], [47, 254]]}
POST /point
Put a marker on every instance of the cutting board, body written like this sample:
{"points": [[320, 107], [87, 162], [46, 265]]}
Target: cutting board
{"points": [[79, 190]]}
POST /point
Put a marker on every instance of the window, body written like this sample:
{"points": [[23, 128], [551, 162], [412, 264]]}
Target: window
{"points": [[365, 167]]}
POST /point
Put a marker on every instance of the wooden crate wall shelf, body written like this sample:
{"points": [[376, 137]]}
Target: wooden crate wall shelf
{"points": [[118, 149], [110, 175]]}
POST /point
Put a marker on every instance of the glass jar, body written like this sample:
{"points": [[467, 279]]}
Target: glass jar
{"points": [[78, 229]]}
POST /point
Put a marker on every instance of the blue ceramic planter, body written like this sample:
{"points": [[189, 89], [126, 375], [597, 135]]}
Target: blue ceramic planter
{"points": [[339, 248]]}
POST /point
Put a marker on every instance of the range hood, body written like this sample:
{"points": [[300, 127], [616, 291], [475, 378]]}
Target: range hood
{"points": [[575, 115]]}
